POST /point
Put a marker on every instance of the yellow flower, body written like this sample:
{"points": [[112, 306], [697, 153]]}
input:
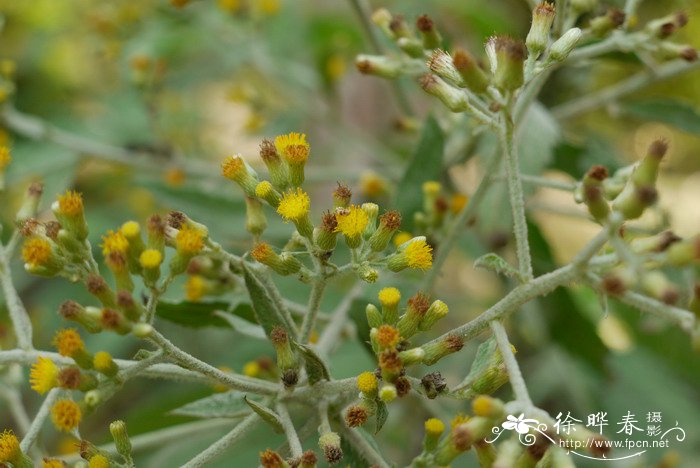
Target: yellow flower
{"points": [[293, 147], [130, 229], [389, 297], [114, 241], [252, 369], [352, 221], [52, 463], [295, 205], [434, 426], [419, 255], [98, 461], [264, 189], [150, 258], [103, 361], [367, 382], [372, 184], [70, 204], [36, 251], [431, 188], [458, 202], [195, 288], [5, 157], [234, 167], [459, 419], [68, 342], [66, 415], [9, 446], [401, 238], [43, 374], [189, 240]]}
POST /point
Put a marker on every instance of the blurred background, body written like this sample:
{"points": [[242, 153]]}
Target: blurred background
{"points": [[183, 87]]}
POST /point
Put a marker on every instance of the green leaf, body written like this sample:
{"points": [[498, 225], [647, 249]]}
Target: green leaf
{"points": [[678, 114], [425, 165], [264, 307], [242, 326], [266, 414], [221, 405], [382, 415], [353, 457], [315, 367], [538, 137], [482, 361], [497, 264], [202, 314]]}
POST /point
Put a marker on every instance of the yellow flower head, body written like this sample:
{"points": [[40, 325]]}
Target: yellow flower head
{"points": [[195, 288], [295, 205], [367, 382], [262, 252], [189, 240], [36, 251], [5, 157], [130, 229], [114, 241], [458, 203], [150, 258], [43, 374], [293, 147], [419, 255], [68, 342], [252, 369], [388, 336], [431, 188], [103, 361], [352, 221], [482, 405], [9, 446], [459, 419], [402, 238], [98, 461], [70, 203], [234, 167], [52, 463], [263, 189], [66, 415], [434, 426], [389, 297]]}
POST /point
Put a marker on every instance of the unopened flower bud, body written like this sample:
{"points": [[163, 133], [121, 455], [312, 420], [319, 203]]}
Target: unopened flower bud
{"points": [[329, 442], [672, 51], [593, 193], [411, 46], [488, 407], [255, 220], [372, 211], [115, 321], [150, 261], [71, 310], [389, 223], [510, 57], [443, 66], [388, 393], [267, 192], [647, 171], [286, 359], [104, 364], [342, 196], [279, 174], [156, 233], [618, 280], [399, 27], [562, 47], [378, 65], [121, 438], [436, 311], [68, 209], [390, 298], [418, 306], [308, 459], [602, 25], [430, 34], [374, 317], [366, 273], [284, 264], [684, 252], [412, 356], [538, 36], [142, 330], [236, 169], [666, 26], [325, 235], [30, 204], [657, 243], [98, 287], [433, 430], [583, 6], [657, 285], [434, 351], [472, 75], [453, 98]]}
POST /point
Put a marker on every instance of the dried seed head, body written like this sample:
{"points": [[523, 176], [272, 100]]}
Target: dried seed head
{"points": [[390, 361], [454, 343], [616, 16], [110, 318], [356, 416], [689, 54], [403, 386], [52, 228], [156, 225], [70, 310], [69, 378], [176, 219], [614, 285], [125, 300], [271, 459], [96, 284], [461, 438], [419, 303], [329, 223], [424, 24], [598, 172], [268, 152], [309, 458], [391, 219], [658, 148], [29, 227], [647, 195], [278, 336]]}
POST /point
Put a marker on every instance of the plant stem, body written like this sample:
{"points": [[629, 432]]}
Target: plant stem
{"points": [[517, 198], [514, 374], [16, 407], [289, 430], [314, 305], [21, 323], [39, 419], [360, 444], [336, 324], [218, 447], [273, 291]]}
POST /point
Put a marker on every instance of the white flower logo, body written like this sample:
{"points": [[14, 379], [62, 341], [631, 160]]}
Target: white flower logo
{"points": [[519, 424]]}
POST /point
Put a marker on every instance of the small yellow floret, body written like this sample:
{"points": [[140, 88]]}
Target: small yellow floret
{"points": [[68, 342], [431, 188], [352, 222], [367, 382], [66, 415], [114, 241], [102, 361], [388, 336], [458, 202], [98, 461], [389, 297], [295, 205], [263, 189], [293, 147], [150, 258], [262, 252], [459, 419], [52, 463], [252, 369], [130, 229], [419, 255], [189, 240], [36, 251], [482, 405], [402, 238], [195, 288], [234, 167], [5, 157], [42, 376], [9, 446], [434, 426], [70, 203]]}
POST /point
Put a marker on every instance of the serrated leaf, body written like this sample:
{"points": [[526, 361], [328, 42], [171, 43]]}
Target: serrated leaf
{"points": [[316, 369], [266, 414], [497, 264], [242, 326], [266, 312], [676, 113], [425, 165], [221, 405], [381, 416], [202, 314]]}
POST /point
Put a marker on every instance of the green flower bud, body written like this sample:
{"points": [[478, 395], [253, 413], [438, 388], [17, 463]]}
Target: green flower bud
{"points": [[325, 236], [256, 222], [593, 193], [431, 36], [374, 317], [71, 310], [583, 6], [412, 356], [284, 264], [647, 171], [97, 286], [279, 174], [418, 306], [473, 76], [433, 430], [388, 393], [121, 438], [510, 57], [602, 25], [657, 243], [115, 321], [411, 47], [436, 311], [30, 204], [436, 350], [267, 192], [538, 36], [563, 46], [453, 98], [507, 454], [366, 273], [443, 66], [372, 210], [378, 65], [657, 285], [389, 223], [342, 196], [672, 51], [666, 26], [286, 358]]}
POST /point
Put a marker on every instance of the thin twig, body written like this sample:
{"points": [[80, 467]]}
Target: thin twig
{"points": [[21, 323], [39, 419], [360, 444], [331, 333], [514, 375], [289, 430], [314, 305], [221, 445]]}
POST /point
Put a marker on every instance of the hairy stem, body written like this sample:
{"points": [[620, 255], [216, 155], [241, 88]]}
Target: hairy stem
{"points": [[21, 323], [289, 431], [221, 445], [314, 305], [514, 374], [39, 419]]}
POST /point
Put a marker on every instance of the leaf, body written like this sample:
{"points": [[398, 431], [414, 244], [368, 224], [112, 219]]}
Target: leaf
{"points": [[352, 456], [576, 159], [202, 314], [266, 414], [315, 367], [538, 137], [265, 309], [382, 415], [482, 360], [497, 264], [425, 165], [242, 326], [221, 405], [679, 114], [362, 329]]}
